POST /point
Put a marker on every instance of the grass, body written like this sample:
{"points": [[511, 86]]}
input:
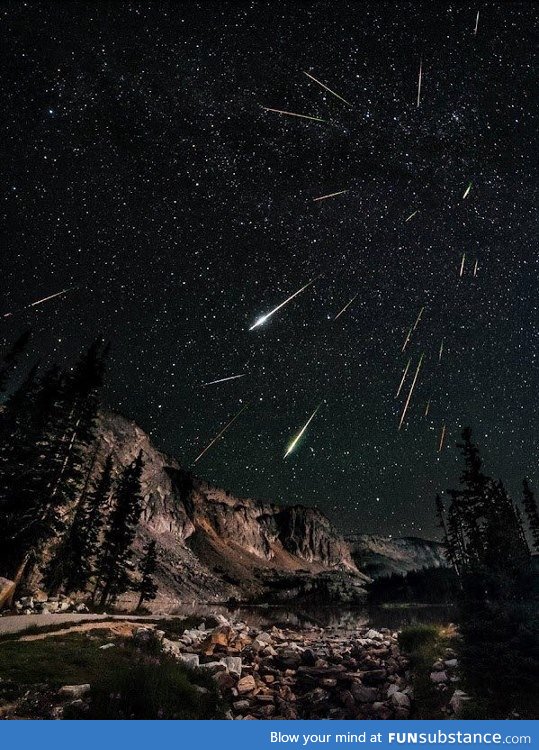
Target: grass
{"points": [[126, 683], [423, 645]]}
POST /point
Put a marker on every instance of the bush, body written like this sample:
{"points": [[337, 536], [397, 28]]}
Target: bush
{"points": [[417, 638]]}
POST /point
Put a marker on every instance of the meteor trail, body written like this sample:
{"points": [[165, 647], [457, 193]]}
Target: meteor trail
{"points": [[427, 407], [476, 24], [441, 351], [411, 216], [403, 378], [407, 339], [467, 190], [345, 307], [300, 433], [475, 268], [411, 391], [293, 114], [326, 87], [418, 318], [329, 195], [462, 265], [419, 81], [216, 438], [223, 380], [265, 317], [441, 443], [40, 301]]}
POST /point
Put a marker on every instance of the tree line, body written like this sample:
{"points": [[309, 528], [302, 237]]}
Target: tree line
{"points": [[66, 522]]}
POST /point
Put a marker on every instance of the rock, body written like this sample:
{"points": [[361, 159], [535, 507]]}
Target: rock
{"points": [[400, 700], [222, 620], [374, 676], [106, 646], [242, 705], [458, 700], [81, 608], [438, 677], [190, 660], [363, 694], [451, 663], [438, 666], [265, 637], [246, 685], [233, 664], [74, 692], [374, 635], [170, 647]]}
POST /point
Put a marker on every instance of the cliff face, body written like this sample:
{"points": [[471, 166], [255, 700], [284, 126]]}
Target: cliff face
{"points": [[381, 556], [211, 544]]}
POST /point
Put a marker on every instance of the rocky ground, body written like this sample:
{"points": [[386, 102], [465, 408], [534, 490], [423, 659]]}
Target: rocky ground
{"points": [[300, 674]]}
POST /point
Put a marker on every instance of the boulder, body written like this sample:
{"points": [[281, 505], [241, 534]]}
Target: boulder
{"points": [[400, 700], [74, 692], [233, 664], [246, 685], [438, 677], [190, 660]]}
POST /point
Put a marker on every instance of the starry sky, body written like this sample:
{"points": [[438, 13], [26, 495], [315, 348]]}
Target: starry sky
{"points": [[140, 167]]}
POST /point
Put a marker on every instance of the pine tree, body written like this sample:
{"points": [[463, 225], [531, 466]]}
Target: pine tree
{"points": [[73, 565], [113, 569], [147, 567], [532, 514]]}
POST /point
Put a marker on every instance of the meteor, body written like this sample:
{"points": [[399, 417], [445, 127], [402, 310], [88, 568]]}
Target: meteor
{"points": [[462, 265], [407, 339], [442, 437], [223, 380], [300, 433], [476, 24], [427, 407], [326, 87], [467, 190], [418, 318], [475, 268], [411, 216], [329, 195], [293, 114], [441, 351], [419, 81], [403, 378], [216, 438], [41, 301], [411, 391], [346, 307], [265, 317]]}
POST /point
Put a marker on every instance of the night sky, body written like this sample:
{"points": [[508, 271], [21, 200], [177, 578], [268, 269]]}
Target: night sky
{"points": [[139, 166]]}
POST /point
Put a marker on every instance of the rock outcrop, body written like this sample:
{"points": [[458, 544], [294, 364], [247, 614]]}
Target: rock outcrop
{"points": [[211, 544]]}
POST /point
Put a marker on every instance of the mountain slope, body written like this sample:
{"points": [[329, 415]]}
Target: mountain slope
{"points": [[211, 544], [380, 556]]}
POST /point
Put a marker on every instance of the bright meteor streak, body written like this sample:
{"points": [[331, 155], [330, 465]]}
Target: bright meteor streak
{"points": [[345, 307], [411, 391], [329, 195], [476, 24], [419, 81], [265, 317], [466, 192], [462, 265], [442, 438], [326, 87], [411, 216], [404, 374], [293, 114], [300, 433], [216, 438], [40, 301], [223, 380]]}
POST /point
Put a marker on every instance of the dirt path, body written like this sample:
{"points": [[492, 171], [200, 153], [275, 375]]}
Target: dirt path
{"points": [[20, 623]]}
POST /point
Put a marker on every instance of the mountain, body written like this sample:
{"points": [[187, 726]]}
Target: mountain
{"points": [[378, 556], [213, 545]]}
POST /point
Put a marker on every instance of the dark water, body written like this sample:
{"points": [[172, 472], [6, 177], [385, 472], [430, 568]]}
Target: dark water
{"points": [[337, 616]]}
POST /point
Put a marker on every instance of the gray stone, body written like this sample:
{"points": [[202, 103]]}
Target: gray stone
{"points": [[213, 667], [438, 677], [451, 663], [74, 692], [190, 660], [400, 700], [233, 664]]}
